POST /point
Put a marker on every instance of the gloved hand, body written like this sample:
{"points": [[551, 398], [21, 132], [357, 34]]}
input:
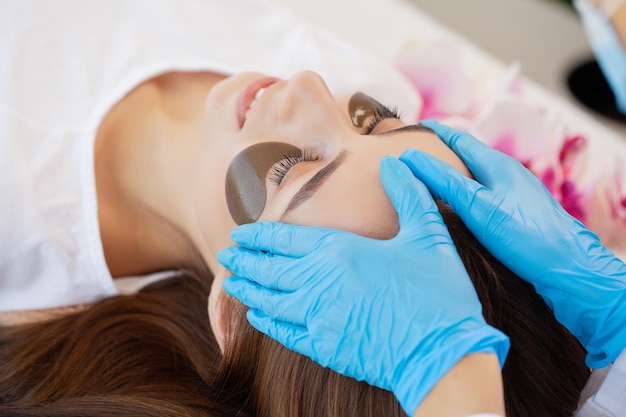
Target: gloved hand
{"points": [[396, 313], [607, 46], [514, 216]]}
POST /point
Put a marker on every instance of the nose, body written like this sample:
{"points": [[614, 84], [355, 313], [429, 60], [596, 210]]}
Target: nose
{"points": [[307, 95], [309, 80]]}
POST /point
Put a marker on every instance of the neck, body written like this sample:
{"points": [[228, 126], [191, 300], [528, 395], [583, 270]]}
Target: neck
{"points": [[140, 153]]}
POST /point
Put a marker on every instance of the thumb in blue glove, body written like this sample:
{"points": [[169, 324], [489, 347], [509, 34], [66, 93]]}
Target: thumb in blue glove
{"points": [[375, 310], [514, 216]]}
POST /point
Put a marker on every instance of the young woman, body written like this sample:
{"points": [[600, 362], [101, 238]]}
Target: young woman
{"points": [[121, 127], [108, 141]]}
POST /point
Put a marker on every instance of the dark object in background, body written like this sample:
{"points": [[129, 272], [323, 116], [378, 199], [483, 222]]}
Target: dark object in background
{"points": [[568, 2], [588, 85]]}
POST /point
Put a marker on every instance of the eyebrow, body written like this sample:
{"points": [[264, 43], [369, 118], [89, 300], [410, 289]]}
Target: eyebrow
{"points": [[408, 128], [315, 182], [318, 179]]}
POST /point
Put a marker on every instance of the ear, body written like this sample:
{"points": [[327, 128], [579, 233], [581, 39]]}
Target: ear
{"points": [[217, 302]]}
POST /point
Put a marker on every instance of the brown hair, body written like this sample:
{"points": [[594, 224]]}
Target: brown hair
{"points": [[543, 374], [149, 354], [153, 354]]}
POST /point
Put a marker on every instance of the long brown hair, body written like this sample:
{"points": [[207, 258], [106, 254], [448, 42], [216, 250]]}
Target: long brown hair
{"points": [[149, 354], [153, 354], [543, 374]]}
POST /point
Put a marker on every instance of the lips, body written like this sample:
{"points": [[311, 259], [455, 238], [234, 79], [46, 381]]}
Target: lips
{"points": [[249, 95]]}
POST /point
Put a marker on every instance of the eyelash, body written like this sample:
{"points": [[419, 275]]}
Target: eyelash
{"points": [[282, 167], [381, 113]]}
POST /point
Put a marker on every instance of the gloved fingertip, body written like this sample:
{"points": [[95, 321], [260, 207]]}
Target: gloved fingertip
{"points": [[233, 285], [225, 256], [243, 234], [447, 134], [387, 159], [390, 166], [406, 192], [410, 154], [419, 163], [441, 179], [430, 123], [394, 175], [436, 127]]}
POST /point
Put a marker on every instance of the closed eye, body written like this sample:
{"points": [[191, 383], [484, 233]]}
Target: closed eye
{"points": [[381, 113], [282, 167]]}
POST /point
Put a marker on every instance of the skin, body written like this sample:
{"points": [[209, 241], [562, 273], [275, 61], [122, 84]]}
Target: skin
{"points": [[475, 383], [302, 112], [161, 157], [162, 154], [619, 23], [618, 19]]}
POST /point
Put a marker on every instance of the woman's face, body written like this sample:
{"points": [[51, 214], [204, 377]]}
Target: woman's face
{"points": [[334, 180]]}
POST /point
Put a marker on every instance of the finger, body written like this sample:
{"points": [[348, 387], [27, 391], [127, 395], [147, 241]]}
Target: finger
{"points": [[274, 304], [274, 272], [408, 195], [292, 336], [485, 163], [247, 263], [445, 182], [279, 238]]}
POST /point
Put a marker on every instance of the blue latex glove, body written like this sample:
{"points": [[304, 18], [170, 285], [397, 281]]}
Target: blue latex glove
{"points": [[607, 48], [396, 313], [514, 216]]}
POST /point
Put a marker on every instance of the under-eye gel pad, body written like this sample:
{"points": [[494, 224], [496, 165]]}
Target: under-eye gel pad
{"points": [[247, 176], [361, 108]]}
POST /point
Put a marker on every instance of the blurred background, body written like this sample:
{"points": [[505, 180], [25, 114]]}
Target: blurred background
{"points": [[544, 36]]}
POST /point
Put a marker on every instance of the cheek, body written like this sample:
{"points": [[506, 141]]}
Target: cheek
{"points": [[210, 219]]}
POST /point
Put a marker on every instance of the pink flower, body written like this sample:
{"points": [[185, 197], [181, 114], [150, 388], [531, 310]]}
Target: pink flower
{"points": [[607, 210], [435, 70], [519, 130], [515, 128], [561, 179], [490, 102]]}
